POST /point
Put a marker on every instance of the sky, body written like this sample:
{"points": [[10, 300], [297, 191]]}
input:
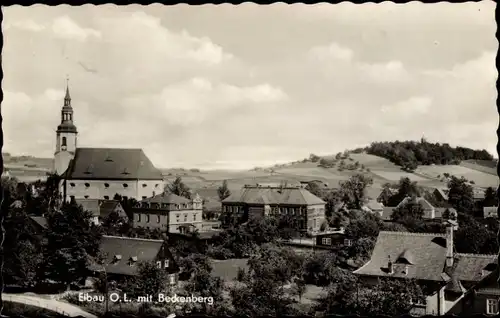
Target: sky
{"points": [[242, 86]]}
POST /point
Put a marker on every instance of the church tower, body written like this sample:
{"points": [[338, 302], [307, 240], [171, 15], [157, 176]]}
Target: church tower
{"points": [[66, 137]]}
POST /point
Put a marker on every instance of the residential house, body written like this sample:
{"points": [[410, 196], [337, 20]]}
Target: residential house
{"points": [[100, 173], [170, 212], [332, 239], [490, 212], [101, 209], [431, 213], [430, 259], [478, 194], [305, 210], [374, 206], [481, 299], [321, 184], [386, 194], [441, 194], [123, 255]]}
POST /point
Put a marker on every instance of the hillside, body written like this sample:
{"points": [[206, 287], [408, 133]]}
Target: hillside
{"points": [[329, 169]]}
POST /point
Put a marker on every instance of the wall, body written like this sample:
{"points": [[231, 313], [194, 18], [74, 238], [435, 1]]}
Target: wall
{"points": [[315, 216], [192, 217], [148, 188], [61, 161]]}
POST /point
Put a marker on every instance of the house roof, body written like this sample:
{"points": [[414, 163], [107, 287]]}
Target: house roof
{"points": [[426, 253], [98, 207], [442, 193], [40, 220], [273, 195], [127, 248], [387, 213], [166, 198], [490, 211], [469, 267], [112, 164], [420, 200]]}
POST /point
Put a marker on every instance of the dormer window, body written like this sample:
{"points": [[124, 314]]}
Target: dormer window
{"points": [[89, 169], [125, 171], [132, 260], [117, 258], [109, 159]]}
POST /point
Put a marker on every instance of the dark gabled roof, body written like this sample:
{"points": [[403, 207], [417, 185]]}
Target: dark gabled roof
{"points": [[40, 220], [166, 198], [442, 193], [455, 286], [112, 164], [469, 267], [127, 248], [273, 195], [428, 250]]}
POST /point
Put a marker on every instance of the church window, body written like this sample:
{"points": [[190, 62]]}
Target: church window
{"points": [[158, 219], [147, 218], [157, 185], [106, 185], [106, 197], [125, 185], [185, 217], [63, 141], [87, 185], [144, 185], [86, 196], [144, 197], [72, 184]]}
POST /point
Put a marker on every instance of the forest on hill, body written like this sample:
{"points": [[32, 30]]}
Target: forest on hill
{"points": [[410, 154]]}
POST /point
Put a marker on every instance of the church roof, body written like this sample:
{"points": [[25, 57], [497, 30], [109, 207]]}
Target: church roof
{"points": [[112, 164]]}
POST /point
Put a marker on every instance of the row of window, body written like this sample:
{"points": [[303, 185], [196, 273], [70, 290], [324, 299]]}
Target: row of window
{"points": [[106, 185], [148, 205], [328, 241], [158, 218], [274, 210]]}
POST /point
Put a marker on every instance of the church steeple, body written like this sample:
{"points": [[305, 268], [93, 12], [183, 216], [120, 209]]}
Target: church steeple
{"points": [[66, 135]]}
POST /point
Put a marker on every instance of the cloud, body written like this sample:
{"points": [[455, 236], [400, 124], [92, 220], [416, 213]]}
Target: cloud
{"points": [[391, 72], [64, 27], [27, 25], [408, 108], [332, 51], [198, 99]]}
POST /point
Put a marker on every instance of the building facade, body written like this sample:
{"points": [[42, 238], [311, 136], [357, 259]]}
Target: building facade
{"points": [[169, 212], [123, 254], [101, 209], [305, 210]]}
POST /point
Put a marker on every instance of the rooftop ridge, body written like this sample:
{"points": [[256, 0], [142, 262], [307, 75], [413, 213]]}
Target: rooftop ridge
{"points": [[413, 233], [132, 238], [476, 255]]}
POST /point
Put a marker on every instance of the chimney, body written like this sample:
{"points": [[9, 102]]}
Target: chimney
{"points": [[390, 266], [450, 226]]}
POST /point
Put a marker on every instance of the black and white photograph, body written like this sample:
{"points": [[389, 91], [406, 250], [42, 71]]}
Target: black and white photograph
{"points": [[249, 160]]}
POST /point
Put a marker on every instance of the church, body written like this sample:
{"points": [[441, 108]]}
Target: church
{"points": [[100, 173]]}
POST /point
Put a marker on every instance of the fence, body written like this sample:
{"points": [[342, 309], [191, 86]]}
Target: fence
{"points": [[33, 302]]}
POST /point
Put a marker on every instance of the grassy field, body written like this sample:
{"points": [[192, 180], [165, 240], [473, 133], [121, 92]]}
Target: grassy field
{"points": [[480, 178]]}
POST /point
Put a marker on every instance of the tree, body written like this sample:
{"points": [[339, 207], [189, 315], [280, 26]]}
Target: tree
{"points": [[223, 191], [193, 263], [178, 187], [115, 224], [410, 210], [363, 225], [406, 188], [204, 284], [315, 189], [461, 195], [71, 241], [354, 190], [314, 158], [490, 197]]}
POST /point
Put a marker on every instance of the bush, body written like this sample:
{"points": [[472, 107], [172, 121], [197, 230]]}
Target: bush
{"points": [[220, 253]]}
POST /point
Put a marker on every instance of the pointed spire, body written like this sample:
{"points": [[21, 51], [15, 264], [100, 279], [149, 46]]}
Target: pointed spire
{"points": [[67, 97]]}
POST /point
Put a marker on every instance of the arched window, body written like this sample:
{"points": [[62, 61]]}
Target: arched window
{"points": [[63, 144], [106, 185], [87, 185], [125, 185]]}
